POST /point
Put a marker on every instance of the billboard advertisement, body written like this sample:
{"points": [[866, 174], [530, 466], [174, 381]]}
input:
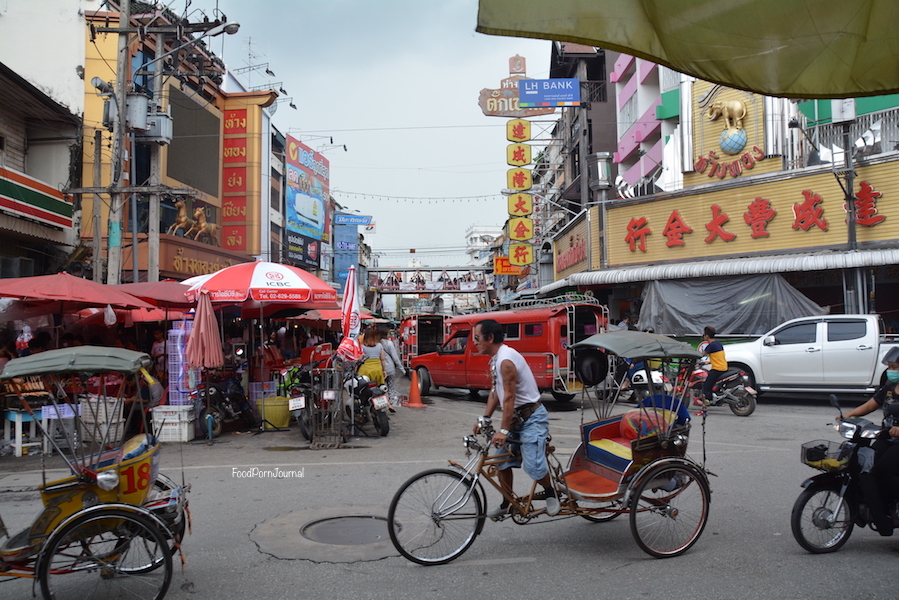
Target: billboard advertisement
{"points": [[346, 250], [303, 250], [307, 206]]}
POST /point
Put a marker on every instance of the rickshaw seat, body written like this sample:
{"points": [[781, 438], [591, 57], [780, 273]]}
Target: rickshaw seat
{"points": [[608, 441]]}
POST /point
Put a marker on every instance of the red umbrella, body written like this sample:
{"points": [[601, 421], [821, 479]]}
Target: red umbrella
{"points": [[204, 346], [63, 287], [167, 293], [89, 316], [261, 284]]}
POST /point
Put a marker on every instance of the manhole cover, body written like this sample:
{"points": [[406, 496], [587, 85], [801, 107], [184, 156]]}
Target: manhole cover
{"points": [[347, 531]]}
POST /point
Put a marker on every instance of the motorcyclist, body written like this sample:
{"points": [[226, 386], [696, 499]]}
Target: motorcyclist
{"points": [[879, 464]]}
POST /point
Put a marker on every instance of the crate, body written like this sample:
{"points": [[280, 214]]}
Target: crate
{"points": [[179, 398], [109, 431], [260, 390], [100, 409], [173, 423]]}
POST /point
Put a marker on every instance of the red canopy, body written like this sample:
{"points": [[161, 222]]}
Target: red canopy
{"points": [[63, 287]]}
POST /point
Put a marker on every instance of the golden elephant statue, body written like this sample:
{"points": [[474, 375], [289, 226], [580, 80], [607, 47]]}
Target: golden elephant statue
{"points": [[733, 112]]}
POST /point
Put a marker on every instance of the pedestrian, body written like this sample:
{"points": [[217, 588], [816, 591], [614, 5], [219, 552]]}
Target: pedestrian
{"points": [[715, 351], [373, 355], [393, 365], [524, 424], [157, 350], [314, 339], [627, 323]]}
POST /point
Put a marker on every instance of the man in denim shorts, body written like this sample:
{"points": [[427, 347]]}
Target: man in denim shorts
{"points": [[515, 389]]}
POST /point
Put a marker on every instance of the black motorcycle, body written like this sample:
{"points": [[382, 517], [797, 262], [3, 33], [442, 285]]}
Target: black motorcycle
{"points": [[369, 403], [222, 402], [833, 502]]}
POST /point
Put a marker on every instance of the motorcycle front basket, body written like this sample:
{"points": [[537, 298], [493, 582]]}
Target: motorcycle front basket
{"points": [[824, 455]]}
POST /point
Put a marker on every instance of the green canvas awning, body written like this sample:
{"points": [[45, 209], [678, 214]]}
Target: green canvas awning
{"points": [[787, 48], [80, 359], [638, 344]]}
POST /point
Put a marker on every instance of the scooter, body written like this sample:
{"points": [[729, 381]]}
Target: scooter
{"points": [[220, 402], [369, 403], [833, 503], [732, 389]]}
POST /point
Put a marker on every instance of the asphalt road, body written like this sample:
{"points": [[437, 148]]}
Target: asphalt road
{"points": [[247, 540]]}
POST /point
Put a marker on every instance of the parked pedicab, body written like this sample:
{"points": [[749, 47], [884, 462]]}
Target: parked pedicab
{"points": [[110, 528], [633, 463]]}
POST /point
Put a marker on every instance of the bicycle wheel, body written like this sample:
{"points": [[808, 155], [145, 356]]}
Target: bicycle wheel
{"points": [[817, 524], [111, 553], [435, 516], [669, 509]]}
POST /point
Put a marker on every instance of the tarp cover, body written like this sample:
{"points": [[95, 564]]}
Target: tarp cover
{"points": [[79, 359], [789, 48], [732, 305]]}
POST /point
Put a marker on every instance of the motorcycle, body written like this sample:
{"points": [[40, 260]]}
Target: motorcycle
{"points": [[299, 384], [832, 503], [220, 402], [635, 380], [369, 403], [732, 389]]}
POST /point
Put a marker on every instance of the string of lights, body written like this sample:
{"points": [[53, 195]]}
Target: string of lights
{"points": [[417, 199]]}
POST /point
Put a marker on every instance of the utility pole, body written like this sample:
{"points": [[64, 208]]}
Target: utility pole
{"points": [[155, 170], [116, 206]]}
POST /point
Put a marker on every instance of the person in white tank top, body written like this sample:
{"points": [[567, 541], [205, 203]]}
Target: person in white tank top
{"points": [[514, 387]]}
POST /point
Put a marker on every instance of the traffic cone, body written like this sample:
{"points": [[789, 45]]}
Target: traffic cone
{"points": [[414, 395]]}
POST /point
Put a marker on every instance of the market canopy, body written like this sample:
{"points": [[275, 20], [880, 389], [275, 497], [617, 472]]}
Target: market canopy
{"points": [[638, 344], [787, 48], [78, 359]]}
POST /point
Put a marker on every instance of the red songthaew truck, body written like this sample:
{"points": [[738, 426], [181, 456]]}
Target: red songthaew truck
{"points": [[543, 334]]}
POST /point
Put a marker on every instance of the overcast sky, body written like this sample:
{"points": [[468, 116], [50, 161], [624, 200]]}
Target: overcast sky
{"points": [[397, 82]]}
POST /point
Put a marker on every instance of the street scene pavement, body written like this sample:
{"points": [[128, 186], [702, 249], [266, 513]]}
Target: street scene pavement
{"points": [[261, 504]]}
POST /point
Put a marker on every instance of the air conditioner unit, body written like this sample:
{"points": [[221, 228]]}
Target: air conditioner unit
{"points": [[12, 267]]}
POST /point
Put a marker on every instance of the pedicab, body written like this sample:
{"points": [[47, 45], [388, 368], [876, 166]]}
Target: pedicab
{"points": [[110, 528], [631, 463]]}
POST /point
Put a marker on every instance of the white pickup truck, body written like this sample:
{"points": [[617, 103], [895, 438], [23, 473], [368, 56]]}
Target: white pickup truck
{"points": [[830, 353]]}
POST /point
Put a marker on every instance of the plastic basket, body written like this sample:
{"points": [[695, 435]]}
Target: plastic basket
{"points": [[180, 399], [276, 411], [825, 455], [263, 389], [173, 423], [100, 409], [109, 432]]}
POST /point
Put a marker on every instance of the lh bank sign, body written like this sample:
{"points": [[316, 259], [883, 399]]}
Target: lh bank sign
{"points": [[549, 92]]}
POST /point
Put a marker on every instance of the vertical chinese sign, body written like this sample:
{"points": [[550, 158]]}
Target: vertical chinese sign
{"points": [[504, 102], [521, 204], [308, 190], [234, 181]]}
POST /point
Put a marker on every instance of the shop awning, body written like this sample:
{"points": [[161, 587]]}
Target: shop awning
{"points": [[818, 261]]}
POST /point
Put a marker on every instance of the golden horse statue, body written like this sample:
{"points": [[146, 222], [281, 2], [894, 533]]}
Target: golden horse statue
{"points": [[182, 221], [202, 226]]}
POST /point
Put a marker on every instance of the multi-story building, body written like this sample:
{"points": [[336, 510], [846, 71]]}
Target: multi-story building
{"points": [[718, 186]]}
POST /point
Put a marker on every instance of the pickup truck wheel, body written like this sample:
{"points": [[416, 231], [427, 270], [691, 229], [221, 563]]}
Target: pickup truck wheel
{"points": [[424, 381], [562, 397]]}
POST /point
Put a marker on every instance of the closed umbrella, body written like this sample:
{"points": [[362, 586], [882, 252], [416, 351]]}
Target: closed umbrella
{"points": [[204, 346], [349, 347]]}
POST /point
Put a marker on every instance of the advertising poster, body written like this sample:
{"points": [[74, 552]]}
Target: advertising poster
{"points": [[303, 250], [346, 250], [308, 174]]}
